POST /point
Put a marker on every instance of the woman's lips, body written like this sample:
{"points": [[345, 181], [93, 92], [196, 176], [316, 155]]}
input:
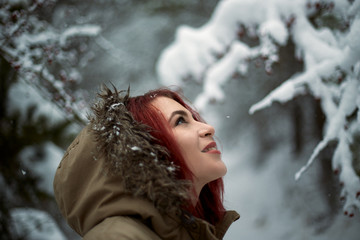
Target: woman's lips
{"points": [[211, 148], [214, 151]]}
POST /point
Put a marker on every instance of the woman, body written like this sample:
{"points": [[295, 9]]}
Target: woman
{"points": [[145, 167]]}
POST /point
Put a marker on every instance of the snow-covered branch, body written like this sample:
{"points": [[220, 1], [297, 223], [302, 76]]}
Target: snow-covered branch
{"points": [[213, 53], [42, 55], [78, 31]]}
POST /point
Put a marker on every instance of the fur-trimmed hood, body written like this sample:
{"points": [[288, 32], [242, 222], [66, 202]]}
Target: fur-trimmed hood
{"points": [[114, 167], [117, 148], [130, 151]]}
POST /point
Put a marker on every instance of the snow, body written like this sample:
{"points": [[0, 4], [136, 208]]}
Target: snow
{"points": [[217, 75], [337, 121], [284, 93], [271, 204], [19, 2], [31, 46], [353, 36], [135, 148], [212, 53], [276, 29], [45, 167], [115, 105], [194, 51], [171, 169], [35, 225], [75, 31], [22, 97], [270, 201], [354, 8]]}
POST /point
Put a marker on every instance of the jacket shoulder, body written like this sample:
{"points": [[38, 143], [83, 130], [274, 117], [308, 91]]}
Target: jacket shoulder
{"points": [[120, 227]]}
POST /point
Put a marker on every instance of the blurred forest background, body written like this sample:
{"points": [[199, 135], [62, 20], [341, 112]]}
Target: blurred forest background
{"points": [[54, 56]]}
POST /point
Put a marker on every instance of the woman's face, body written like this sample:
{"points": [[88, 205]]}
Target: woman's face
{"points": [[196, 142]]}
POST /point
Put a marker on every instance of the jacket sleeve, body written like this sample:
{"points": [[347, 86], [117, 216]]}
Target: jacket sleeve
{"points": [[116, 228]]}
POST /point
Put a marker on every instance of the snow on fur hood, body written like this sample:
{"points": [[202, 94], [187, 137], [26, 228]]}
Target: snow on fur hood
{"points": [[111, 165]]}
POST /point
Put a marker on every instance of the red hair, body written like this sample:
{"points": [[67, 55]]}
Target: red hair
{"points": [[210, 205]]}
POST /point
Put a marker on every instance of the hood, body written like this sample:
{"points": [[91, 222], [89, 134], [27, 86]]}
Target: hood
{"points": [[114, 167]]}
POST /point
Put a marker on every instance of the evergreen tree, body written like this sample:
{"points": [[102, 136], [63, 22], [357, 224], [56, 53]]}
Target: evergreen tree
{"points": [[42, 61]]}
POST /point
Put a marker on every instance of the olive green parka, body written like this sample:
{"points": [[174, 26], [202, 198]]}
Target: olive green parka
{"points": [[115, 182]]}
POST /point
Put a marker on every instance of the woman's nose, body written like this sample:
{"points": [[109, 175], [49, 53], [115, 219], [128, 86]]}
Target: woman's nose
{"points": [[206, 130]]}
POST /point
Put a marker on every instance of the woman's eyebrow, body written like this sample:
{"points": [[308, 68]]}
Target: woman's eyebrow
{"points": [[178, 112]]}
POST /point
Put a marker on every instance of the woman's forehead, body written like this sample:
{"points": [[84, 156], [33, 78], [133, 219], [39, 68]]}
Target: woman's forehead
{"points": [[167, 106]]}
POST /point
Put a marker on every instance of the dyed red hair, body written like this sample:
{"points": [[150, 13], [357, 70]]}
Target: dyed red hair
{"points": [[210, 205]]}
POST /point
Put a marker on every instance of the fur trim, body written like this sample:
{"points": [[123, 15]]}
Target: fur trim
{"points": [[130, 151]]}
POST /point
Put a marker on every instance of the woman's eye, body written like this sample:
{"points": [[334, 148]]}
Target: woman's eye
{"points": [[179, 121]]}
